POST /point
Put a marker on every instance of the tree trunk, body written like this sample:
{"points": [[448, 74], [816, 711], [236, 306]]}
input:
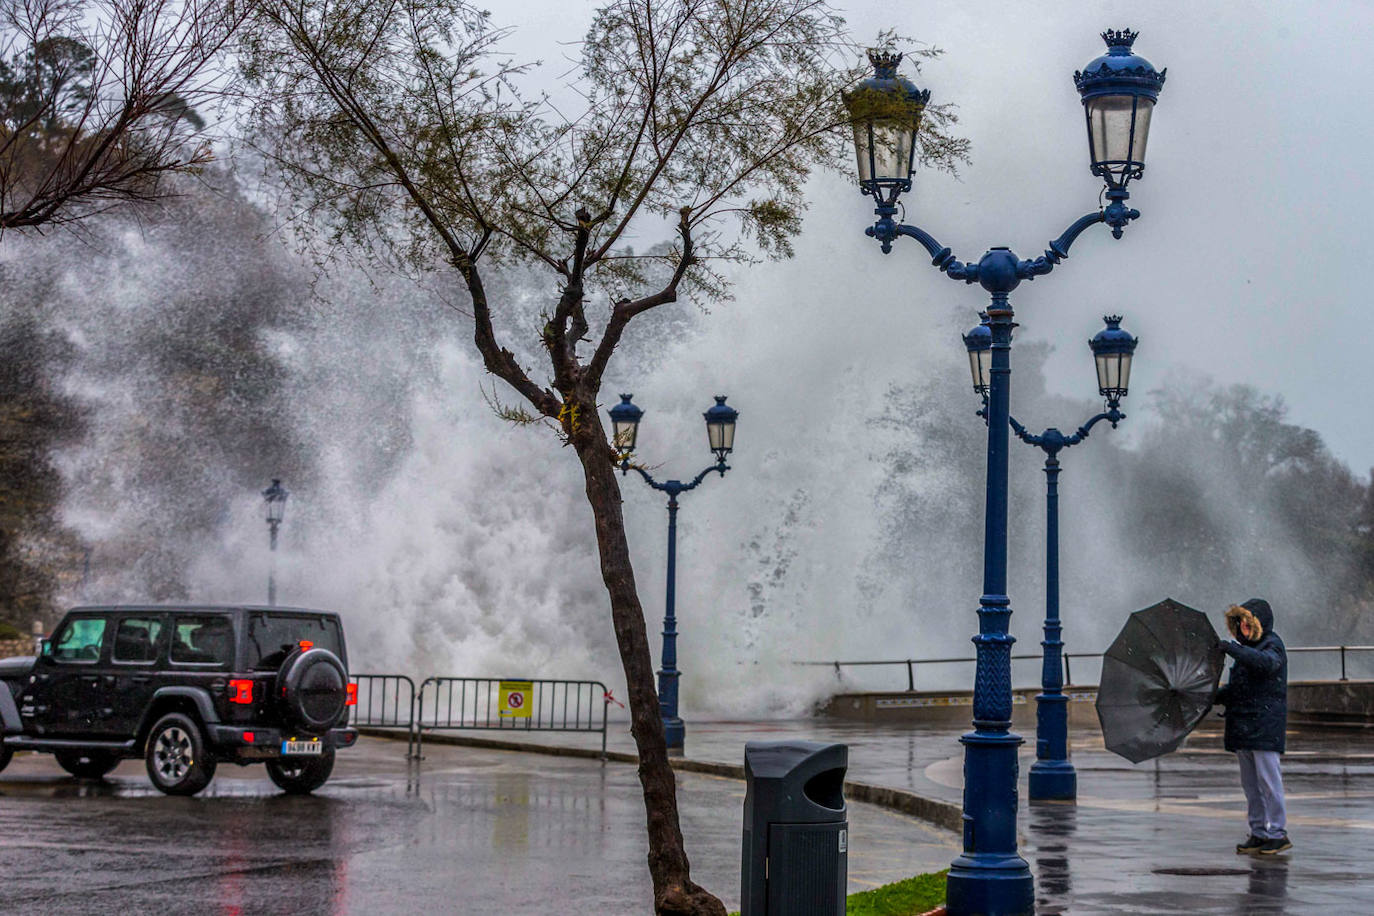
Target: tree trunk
{"points": [[674, 892]]}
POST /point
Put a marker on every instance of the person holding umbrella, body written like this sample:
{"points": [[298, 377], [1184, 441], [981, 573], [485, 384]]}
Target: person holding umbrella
{"points": [[1256, 701]]}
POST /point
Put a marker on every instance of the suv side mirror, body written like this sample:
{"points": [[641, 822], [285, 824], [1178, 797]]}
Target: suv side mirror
{"points": [[45, 647]]}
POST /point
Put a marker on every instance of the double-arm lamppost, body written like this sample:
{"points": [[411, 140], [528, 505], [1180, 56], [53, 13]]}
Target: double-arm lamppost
{"points": [[1052, 776], [1119, 90], [720, 432], [275, 496]]}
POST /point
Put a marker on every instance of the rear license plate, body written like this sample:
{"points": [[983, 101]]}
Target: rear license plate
{"points": [[302, 747]]}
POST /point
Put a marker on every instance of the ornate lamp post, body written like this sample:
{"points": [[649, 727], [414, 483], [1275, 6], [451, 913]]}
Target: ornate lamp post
{"points": [[1052, 776], [720, 432], [1119, 90], [275, 496]]}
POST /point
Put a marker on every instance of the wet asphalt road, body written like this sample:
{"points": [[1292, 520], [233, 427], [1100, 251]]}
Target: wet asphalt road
{"points": [[492, 832], [468, 831]]}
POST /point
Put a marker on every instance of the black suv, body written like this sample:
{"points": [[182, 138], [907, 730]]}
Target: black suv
{"points": [[185, 688]]}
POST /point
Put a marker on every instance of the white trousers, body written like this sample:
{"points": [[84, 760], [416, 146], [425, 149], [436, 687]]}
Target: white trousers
{"points": [[1263, 785]]}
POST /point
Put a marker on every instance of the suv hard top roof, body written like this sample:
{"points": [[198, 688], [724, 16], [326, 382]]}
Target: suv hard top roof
{"points": [[201, 608]]}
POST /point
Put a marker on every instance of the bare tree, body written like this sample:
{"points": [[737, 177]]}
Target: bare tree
{"points": [[401, 130], [98, 99]]}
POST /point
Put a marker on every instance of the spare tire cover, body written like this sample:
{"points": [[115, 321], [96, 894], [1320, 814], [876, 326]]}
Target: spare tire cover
{"points": [[313, 687]]}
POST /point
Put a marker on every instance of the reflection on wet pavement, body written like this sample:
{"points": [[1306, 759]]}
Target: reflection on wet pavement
{"points": [[1183, 814], [1054, 825], [467, 831]]}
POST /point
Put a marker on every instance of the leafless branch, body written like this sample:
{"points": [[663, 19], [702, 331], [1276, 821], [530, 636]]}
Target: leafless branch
{"points": [[102, 101]]}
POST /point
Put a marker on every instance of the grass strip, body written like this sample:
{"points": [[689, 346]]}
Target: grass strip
{"points": [[901, 898], [910, 897]]}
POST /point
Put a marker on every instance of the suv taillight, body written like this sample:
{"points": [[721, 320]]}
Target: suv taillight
{"points": [[352, 695], [241, 691]]}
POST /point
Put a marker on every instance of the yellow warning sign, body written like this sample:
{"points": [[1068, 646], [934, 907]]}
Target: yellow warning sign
{"points": [[515, 699]]}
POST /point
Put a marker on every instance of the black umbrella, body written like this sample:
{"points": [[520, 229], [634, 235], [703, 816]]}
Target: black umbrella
{"points": [[1159, 679]]}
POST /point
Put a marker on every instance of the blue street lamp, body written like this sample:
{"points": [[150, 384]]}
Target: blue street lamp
{"points": [[1119, 90], [1052, 776], [720, 433]]}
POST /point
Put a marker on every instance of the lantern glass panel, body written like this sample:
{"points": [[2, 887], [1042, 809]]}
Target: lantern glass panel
{"points": [[1105, 371], [1113, 373], [721, 436], [624, 435], [980, 367], [1124, 373], [884, 148], [1118, 127]]}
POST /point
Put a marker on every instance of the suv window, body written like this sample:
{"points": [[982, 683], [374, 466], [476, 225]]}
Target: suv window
{"points": [[136, 639], [203, 641], [80, 640], [272, 637]]}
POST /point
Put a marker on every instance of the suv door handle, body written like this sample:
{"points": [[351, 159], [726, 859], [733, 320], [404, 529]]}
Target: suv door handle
{"points": [[140, 679]]}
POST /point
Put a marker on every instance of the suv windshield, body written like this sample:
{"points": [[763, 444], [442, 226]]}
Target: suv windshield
{"points": [[271, 637]]}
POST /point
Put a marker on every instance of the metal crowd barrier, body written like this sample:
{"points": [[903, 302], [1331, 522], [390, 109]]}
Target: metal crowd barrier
{"points": [[386, 701], [453, 703]]}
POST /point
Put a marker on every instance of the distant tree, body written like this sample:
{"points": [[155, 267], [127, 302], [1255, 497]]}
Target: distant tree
{"points": [[95, 111], [97, 101], [1223, 479], [36, 418], [209, 419], [402, 132], [150, 396]]}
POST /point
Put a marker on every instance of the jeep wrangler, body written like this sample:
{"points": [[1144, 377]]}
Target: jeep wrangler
{"points": [[186, 688]]}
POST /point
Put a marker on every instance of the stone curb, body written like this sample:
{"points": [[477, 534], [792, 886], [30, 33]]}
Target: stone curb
{"points": [[940, 813]]}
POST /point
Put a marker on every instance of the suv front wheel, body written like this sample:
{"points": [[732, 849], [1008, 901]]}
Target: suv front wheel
{"points": [[87, 764], [178, 761], [301, 775]]}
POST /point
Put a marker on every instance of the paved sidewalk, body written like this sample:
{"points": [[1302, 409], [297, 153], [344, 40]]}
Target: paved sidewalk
{"points": [[1139, 836]]}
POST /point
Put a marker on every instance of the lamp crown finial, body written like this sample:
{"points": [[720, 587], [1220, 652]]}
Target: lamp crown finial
{"points": [[884, 60], [1113, 321], [1119, 38]]}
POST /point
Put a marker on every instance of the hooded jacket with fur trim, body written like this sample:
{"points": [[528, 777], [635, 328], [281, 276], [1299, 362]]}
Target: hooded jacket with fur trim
{"points": [[1256, 696]]}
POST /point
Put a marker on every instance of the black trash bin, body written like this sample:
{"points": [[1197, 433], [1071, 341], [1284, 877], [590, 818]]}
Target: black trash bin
{"points": [[796, 829]]}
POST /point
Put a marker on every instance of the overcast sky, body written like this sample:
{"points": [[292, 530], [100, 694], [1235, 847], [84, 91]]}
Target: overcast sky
{"points": [[1246, 264]]}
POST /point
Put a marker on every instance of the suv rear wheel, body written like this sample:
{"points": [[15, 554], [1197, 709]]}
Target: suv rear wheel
{"points": [[87, 764], [301, 775], [178, 761], [5, 755]]}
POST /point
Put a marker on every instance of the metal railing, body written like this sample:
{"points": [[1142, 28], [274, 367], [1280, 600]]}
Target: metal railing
{"points": [[1341, 649], [386, 701], [451, 703], [911, 663]]}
